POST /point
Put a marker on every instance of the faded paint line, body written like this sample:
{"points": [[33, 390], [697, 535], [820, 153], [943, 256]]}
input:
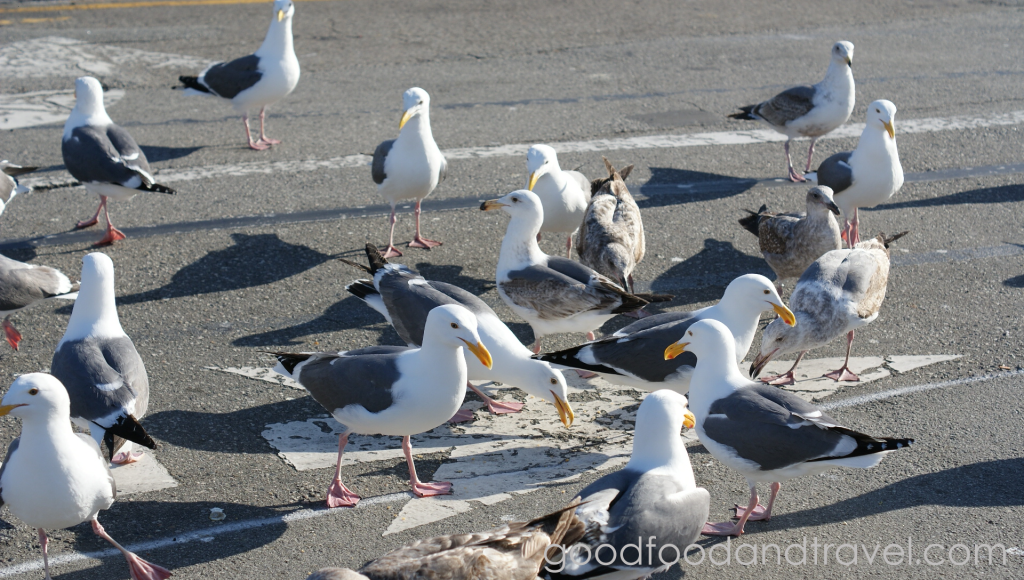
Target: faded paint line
{"points": [[148, 4], [863, 399]]}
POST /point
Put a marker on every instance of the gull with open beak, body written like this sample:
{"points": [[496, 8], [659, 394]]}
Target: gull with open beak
{"points": [[565, 195], [868, 175], [392, 390]]}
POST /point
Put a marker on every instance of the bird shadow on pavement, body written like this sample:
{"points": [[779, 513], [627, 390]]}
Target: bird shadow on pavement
{"points": [[1015, 282], [20, 254], [156, 153], [671, 186], [254, 260], [704, 276], [346, 314], [1001, 194]]}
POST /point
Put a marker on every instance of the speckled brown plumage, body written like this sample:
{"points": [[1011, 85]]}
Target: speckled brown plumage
{"points": [[611, 238]]}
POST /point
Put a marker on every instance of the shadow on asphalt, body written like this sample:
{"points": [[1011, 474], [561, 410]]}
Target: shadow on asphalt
{"points": [[1015, 282], [1001, 194], [670, 186], [347, 314], [704, 276], [254, 260], [155, 153]]}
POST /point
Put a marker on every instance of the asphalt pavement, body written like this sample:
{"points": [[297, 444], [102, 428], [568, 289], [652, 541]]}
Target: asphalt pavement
{"points": [[242, 259]]}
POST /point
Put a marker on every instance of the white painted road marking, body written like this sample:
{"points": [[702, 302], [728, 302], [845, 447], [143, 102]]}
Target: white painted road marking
{"points": [[300, 515], [755, 136], [43, 107], [55, 56], [147, 474]]}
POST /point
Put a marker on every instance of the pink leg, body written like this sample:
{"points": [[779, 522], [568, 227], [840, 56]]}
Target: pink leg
{"points": [[786, 378], [810, 153], [392, 251], [418, 487], [585, 374], [568, 247], [252, 144], [11, 334], [268, 141], [855, 226], [140, 569], [461, 416], [95, 218], [538, 238], [844, 373], [590, 335], [793, 175], [536, 346], [760, 513], [496, 407], [43, 543], [113, 234], [418, 241], [338, 495], [729, 528], [126, 457]]}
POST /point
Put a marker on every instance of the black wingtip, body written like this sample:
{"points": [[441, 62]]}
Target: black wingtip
{"points": [[127, 427], [158, 188], [752, 222], [630, 303], [355, 265], [745, 114], [361, 289], [570, 358], [193, 83], [289, 360], [886, 240], [376, 259], [655, 297]]}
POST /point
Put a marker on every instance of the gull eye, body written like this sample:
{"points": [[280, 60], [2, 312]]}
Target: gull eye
{"points": [[690, 332], [33, 392], [877, 111], [515, 200], [767, 291], [455, 325], [554, 381]]}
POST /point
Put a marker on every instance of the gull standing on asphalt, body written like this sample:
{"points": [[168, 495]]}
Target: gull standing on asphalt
{"points": [[565, 195]]}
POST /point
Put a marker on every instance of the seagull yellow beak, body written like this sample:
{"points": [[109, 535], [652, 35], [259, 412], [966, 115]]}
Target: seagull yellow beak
{"points": [[405, 119], [689, 420], [849, 62], [784, 313], [564, 411], [280, 15], [8, 408], [492, 204], [480, 351], [890, 129], [533, 181], [675, 349]]}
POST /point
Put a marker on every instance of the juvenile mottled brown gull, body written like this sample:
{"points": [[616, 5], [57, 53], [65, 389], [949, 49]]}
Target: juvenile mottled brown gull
{"points": [[99, 366], [22, 285], [810, 111], [633, 356], [9, 186], [258, 80], [410, 166], [839, 293], [552, 294], [611, 238], [103, 156], [790, 242], [868, 175], [515, 551], [765, 433], [405, 299], [53, 477], [564, 194], [392, 390]]}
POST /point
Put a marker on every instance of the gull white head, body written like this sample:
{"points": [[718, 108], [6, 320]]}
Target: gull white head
{"points": [[36, 396], [455, 326], [714, 346], [94, 313], [821, 196], [759, 292], [89, 108], [777, 339], [415, 101], [882, 116], [656, 441], [283, 10], [523, 205], [540, 380], [842, 53], [540, 160]]}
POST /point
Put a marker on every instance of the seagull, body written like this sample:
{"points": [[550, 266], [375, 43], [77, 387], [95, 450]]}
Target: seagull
{"points": [[9, 186], [392, 390], [98, 364], [790, 242], [552, 294], [514, 551], [258, 80], [103, 156], [868, 175], [765, 433], [810, 111], [405, 299], [632, 356], [53, 477], [411, 166], [611, 239], [22, 285], [839, 293], [653, 501], [564, 194]]}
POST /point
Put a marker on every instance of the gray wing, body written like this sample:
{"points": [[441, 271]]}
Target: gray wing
{"points": [[835, 172], [106, 463], [772, 427], [553, 295], [379, 155], [786, 106], [102, 377], [655, 320], [470, 301], [10, 451], [91, 155], [572, 269], [14, 170], [361, 377], [21, 286], [227, 79]]}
